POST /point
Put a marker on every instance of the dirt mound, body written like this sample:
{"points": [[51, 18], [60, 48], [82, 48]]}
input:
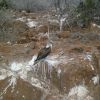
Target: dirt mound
{"points": [[12, 30], [22, 90]]}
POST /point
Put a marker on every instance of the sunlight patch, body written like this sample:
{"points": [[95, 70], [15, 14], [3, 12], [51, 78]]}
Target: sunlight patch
{"points": [[79, 93], [32, 24], [58, 59], [52, 60], [22, 19], [95, 25]]}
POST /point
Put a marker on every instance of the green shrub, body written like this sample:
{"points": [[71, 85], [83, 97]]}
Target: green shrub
{"points": [[3, 4], [89, 4], [86, 10]]}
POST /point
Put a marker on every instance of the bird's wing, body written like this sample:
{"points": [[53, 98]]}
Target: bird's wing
{"points": [[43, 52]]}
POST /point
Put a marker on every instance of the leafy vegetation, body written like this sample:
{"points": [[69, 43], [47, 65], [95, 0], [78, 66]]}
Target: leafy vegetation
{"points": [[3, 4], [87, 10]]}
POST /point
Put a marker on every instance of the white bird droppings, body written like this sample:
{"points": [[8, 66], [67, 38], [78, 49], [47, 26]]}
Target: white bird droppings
{"points": [[31, 62], [16, 66], [80, 92], [95, 79]]}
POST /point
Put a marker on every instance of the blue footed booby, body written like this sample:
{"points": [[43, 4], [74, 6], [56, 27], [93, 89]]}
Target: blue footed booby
{"points": [[44, 52]]}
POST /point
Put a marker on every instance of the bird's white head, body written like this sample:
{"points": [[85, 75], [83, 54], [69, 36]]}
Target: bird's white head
{"points": [[49, 45]]}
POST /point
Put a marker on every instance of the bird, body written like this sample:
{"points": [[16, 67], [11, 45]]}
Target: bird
{"points": [[44, 52]]}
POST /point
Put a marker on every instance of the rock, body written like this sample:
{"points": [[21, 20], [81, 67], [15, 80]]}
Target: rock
{"points": [[22, 90]]}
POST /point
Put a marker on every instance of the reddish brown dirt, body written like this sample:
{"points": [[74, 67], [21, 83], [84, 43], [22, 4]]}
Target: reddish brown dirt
{"points": [[73, 73]]}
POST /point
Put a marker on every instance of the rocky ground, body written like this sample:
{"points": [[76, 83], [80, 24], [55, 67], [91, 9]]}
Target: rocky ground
{"points": [[70, 72]]}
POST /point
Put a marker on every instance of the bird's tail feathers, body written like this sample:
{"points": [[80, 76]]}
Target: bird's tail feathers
{"points": [[35, 62]]}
